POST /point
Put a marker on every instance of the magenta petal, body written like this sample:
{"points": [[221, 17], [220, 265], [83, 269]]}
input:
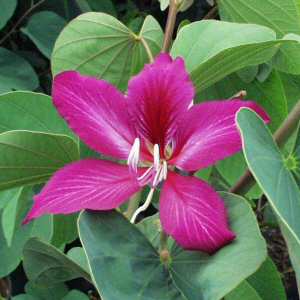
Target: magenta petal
{"points": [[87, 184], [96, 111], [208, 133], [158, 96], [194, 214]]}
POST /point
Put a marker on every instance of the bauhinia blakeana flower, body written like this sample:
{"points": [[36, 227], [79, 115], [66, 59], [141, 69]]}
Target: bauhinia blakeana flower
{"points": [[157, 129]]}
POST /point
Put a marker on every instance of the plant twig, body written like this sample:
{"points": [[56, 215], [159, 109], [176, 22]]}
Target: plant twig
{"points": [[281, 136], [21, 20], [211, 14], [148, 50], [173, 10], [5, 288]]}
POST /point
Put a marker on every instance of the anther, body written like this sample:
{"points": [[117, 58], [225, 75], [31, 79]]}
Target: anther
{"points": [[156, 157], [134, 155]]}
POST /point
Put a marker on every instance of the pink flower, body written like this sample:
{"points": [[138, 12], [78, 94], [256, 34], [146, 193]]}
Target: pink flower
{"points": [[155, 128]]}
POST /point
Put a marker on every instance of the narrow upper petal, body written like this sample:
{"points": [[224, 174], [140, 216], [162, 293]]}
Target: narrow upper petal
{"points": [[160, 94], [208, 133], [87, 184], [96, 111], [194, 214]]}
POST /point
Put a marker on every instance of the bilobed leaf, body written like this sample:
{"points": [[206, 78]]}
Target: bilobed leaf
{"points": [[11, 254], [7, 10], [221, 48], [16, 73], [77, 254], [43, 29], [47, 266], [189, 276], [75, 295], [105, 6], [271, 172], [32, 157], [30, 111], [99, 45]]}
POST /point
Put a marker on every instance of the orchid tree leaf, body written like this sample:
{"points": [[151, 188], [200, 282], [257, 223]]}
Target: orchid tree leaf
{"points": [[47, 266], [281, 16], [16, 73], [77, 254], [76, 295], [189, 276], [272, 173], [43, 29], [294, 158], [7, 10], [30, 111], [99, 45], [28, 157], [11, 253], [221, 48]]}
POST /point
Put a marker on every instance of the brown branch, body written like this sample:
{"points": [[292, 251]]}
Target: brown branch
{"points": [[33, 7], [281, 136], [173, 10], [211, 14], [5, 288]]}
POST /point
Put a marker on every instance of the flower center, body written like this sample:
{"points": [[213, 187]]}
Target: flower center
{"points": [[158, 169]]}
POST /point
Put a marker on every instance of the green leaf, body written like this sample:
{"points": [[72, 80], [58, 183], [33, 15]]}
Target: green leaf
{"points": [[221, 48], [24, 297], [294, 163], [185, 4], [42, 228], [16, 73], [271, 172], [56, 292], [7, 10], [244, 291], [30, 111], [77, 254], [268, 166], [31, 157], [190, 275], [43, 29], [64, 230], [99, 45], [105, 6], [76, 295], [281, 16], [47, 266], [267, 282]]}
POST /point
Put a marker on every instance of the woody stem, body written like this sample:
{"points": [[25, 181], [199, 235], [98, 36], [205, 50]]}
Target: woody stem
{"points": [[173, 10]]}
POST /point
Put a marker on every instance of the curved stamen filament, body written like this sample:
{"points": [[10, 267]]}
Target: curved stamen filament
{"points": [[134, 155], [156, 157], [144, 206]]}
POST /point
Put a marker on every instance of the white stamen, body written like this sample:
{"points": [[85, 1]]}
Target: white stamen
{"points": [[164, 170], [191, 104], [143, 179], [156, 157], [134, 155], [157, 177], [143, 207]]}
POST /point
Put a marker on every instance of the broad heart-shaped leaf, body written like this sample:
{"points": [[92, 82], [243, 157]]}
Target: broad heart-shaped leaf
{"points": [[30, 111], [11, 254], [32, 157], [43, 29], [7, 10], [272, 174], [16, 73], [105, 6], [99, 45], [46, 266], [115, 248], [218, 49], [243, 291]]}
